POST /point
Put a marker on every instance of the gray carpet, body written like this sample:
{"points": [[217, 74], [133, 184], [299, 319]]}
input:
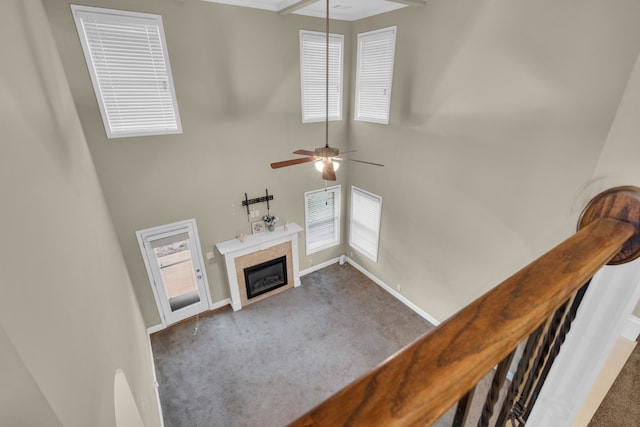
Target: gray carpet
{"points": [[270, 362], [621, 405]]}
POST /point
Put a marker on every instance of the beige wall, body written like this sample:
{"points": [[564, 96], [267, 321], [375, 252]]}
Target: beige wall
{"points": [[620, 157], [68, 315], [21, 400], [237, 78], [499, 112]]}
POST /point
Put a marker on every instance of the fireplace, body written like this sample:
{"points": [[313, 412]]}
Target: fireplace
{"points": [[256, 250], [265, 277]]}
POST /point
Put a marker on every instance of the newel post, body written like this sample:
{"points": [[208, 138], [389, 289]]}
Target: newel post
{"points": [[622, 204], [606, 307]]}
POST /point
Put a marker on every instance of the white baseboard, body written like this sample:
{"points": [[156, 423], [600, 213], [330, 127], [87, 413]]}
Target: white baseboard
{"points": [[319, 266], [631, 328], [214, 306], [155, 381], [220, 304], [156, 328], [341, 259], [400, 297]]}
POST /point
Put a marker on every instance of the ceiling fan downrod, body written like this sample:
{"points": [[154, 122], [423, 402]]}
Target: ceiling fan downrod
{"points": [[326, 93]]}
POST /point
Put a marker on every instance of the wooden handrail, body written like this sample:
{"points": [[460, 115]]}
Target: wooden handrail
{"points": [[421, 382]]}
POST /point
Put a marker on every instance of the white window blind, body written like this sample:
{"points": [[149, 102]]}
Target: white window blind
{"points": [[375, 75], [322, 218], [365, 222], [159, 242], [128, 62], [313, 75]]}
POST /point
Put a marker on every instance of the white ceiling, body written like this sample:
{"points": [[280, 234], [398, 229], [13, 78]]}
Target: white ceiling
{"points": [[346, 10]]}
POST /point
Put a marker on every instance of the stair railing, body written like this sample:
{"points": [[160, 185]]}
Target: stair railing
{"points": [[535, 308]]}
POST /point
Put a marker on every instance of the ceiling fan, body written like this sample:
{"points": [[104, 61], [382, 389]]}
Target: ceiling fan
{"points": [[323, 156]]}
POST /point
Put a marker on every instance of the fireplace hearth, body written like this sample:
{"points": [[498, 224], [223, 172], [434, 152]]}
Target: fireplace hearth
{"points": [[265, 277]]}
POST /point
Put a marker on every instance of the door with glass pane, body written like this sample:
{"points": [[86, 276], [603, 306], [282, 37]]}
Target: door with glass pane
{"points": [[176, 270]]}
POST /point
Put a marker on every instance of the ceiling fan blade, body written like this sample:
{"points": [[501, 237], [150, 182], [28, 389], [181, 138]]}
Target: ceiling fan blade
{"points": [[328, 172], [292, 162], [305, 152], [359, 161]]}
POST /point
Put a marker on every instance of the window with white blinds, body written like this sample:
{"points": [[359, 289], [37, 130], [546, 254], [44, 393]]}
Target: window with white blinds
{"points": [[322, 218], [365, 222], [374, 75], [313, 51], [127, 57]]}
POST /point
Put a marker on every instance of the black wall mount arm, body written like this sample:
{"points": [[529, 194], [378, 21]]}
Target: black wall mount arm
{"points": [[248, 202]]}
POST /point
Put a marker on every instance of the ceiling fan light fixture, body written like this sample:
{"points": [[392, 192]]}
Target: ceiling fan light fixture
{"points": [[319, 165]]}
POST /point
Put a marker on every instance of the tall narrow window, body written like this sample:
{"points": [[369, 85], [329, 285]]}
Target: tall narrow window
{"points": [[365, 222], [313, 75], [127, 57], [375, 75], [322, 218]]}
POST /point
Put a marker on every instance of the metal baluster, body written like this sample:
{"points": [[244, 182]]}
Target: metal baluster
{"points": [[494, 391], [523, 367], [562, 334], [541, 355], [462, 410]]}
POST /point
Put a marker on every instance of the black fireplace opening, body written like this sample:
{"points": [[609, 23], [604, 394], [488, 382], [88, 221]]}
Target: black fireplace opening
{"points": [[265, 277]]}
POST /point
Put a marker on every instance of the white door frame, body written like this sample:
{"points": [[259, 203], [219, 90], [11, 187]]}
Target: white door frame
{"points": [[167, 316]]}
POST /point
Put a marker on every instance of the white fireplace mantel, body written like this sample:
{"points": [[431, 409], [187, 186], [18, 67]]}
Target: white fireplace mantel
{"points": [[231, 249]]}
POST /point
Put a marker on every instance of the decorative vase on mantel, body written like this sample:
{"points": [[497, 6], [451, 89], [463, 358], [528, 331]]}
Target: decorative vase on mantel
{"points": [[270, 220]]}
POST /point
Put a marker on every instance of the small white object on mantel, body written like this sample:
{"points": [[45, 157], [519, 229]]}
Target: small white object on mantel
{"points": [[231, 249]]}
